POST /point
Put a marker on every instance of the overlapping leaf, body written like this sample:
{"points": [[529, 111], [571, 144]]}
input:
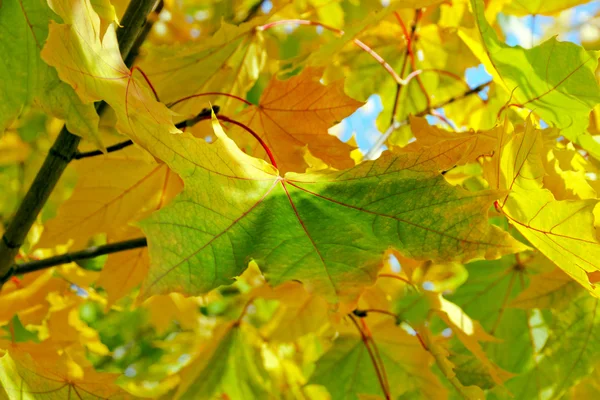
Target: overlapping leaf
{"points": [[25, 79], [327, 229], [347, 370], [23, 377], [106, 199], [457, 147], [94, 67], [295, 114], [229, 365], [562, 230], [549, 77], [230, 61]]}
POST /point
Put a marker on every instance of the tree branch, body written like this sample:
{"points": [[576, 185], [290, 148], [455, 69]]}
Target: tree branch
{"points": [[204, 114], [84, 254], [62, 150]]}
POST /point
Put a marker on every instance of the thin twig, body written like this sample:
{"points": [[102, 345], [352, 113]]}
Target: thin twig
{"points": [[121, 145], [85, 254], [109, 149]]}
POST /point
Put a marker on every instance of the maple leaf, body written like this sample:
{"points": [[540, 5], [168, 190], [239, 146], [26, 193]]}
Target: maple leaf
{"points": [[295, 114], [346, 369], [562, 230], [93, 66], [228, 365], [457, 148], [106, 200], [300, 226], [546, 77], [26, 79], [25, 377], [30, 293], [125, 270], [552, 290], [230, 61], [299, 312]]}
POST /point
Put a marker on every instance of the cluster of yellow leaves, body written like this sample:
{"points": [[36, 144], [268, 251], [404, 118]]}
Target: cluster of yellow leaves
{"points": [[361, 281]]}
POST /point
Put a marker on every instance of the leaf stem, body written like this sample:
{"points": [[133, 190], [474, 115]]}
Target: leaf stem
{"points": [[84, 254], [209, 94], [258, 138], [201, 117], [340, 32], [365, 341], [63, 150], [136, 68]]}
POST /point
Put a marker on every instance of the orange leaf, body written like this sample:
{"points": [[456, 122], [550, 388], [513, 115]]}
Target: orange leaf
{"points": [[297, 113]]}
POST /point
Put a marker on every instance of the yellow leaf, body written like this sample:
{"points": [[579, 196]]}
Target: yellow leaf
{"points": [[297, 113], [24, 377], [94, 68], [469, 332], [30, 292], [229, 61], [124, 270], [105, 199], [12, 149], [552, 290], [457, 147], [299, 313]]}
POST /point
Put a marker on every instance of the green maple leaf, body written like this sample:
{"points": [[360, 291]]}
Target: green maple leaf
{"points": [[327, 229], [347, 370], [555, 79], [25, 79]]}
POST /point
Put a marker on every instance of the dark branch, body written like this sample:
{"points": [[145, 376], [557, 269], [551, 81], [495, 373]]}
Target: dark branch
{"points": [[109, 149], [204, 114], [84, 254]]}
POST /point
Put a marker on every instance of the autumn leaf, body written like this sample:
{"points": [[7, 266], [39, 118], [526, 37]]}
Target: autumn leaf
{"points": [[29, 293], [26, 79], [346, 369], [295, 216], [124, 271], [562, 230], [228, 365], [553, 74], [448, 249], [234, 54], [105, 200], [104, 76], [553, 289], [457, 147], [24, 377], [299, 312], [295, 114]]}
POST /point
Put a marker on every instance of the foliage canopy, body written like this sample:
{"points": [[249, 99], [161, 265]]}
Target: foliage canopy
{"points": [[231, 227]]}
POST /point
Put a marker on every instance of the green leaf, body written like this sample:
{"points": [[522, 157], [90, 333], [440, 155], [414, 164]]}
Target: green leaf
{"points": [[26, 80], [327, 229], [229, 365], [555, 79], [347, 370]]}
